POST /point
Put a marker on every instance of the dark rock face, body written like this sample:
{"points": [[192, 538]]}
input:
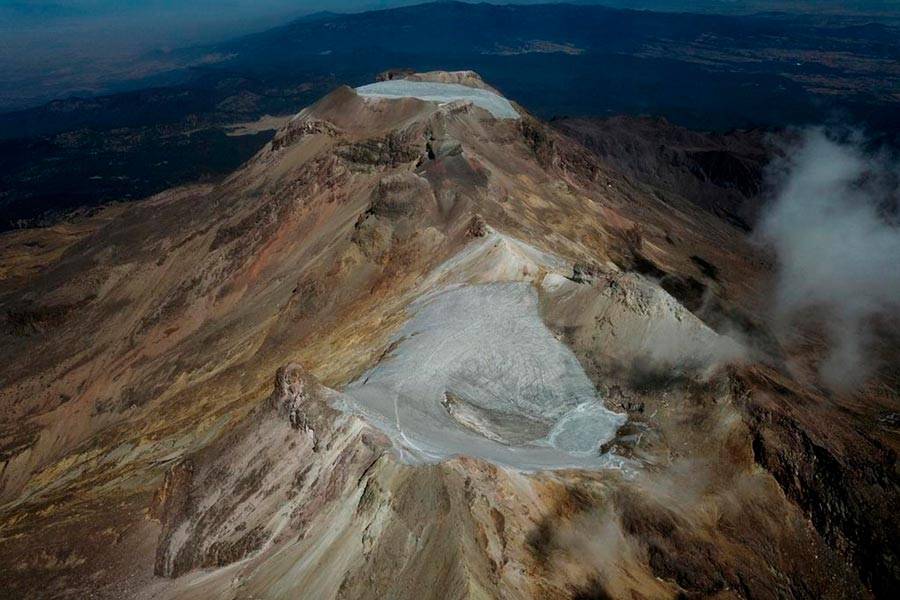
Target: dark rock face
{"points": [[706, 267], [389, 151], [477, 227], [585, 272], [391, 74], [850, 496], [686, 289], [442, 148], [538, 139], [721, 173], [35, 319], [400, 195]]}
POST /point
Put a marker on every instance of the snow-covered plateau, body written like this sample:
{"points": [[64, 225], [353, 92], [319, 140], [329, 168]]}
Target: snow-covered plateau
{"points": [[431, 91]]}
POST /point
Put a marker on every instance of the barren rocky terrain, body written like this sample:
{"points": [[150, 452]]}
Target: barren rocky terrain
{"points": [[413, 350]]}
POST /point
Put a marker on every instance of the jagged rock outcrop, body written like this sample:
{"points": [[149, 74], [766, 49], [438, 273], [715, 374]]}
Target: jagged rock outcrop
{"points": [[278, 467]]}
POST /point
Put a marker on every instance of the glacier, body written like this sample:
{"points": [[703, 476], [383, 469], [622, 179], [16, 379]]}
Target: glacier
{"points": [[475, 371], [430, 91]]}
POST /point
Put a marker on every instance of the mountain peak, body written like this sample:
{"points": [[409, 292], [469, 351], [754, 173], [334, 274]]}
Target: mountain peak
{"points": [[488, 345]]}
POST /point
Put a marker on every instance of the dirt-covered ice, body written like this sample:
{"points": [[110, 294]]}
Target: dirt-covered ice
{"points": [[475, 371], [431, 91]]}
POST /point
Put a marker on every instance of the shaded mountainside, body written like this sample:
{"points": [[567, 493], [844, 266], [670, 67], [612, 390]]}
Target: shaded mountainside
{"points": [[723, 173], [146, 453]]}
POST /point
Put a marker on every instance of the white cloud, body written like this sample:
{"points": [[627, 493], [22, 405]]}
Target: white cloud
{"points": [[838, 253]]}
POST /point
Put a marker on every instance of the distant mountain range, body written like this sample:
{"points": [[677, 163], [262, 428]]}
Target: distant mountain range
{"points": [[703, 71]]}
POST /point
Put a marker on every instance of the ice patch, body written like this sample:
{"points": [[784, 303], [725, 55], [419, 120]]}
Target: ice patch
{"points": [[477, 372], [583, 429], [431, 91]]}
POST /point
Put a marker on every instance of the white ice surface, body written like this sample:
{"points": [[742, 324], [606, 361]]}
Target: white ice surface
{"points": [[430, 91], [486, 346]]}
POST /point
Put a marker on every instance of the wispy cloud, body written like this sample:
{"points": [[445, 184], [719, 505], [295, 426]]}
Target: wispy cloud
{"points": [[833, 227]]}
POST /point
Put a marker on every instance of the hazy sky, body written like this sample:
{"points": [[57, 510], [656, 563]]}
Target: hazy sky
{"points": [[50, 48], [134, 23], [30, 25]]}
